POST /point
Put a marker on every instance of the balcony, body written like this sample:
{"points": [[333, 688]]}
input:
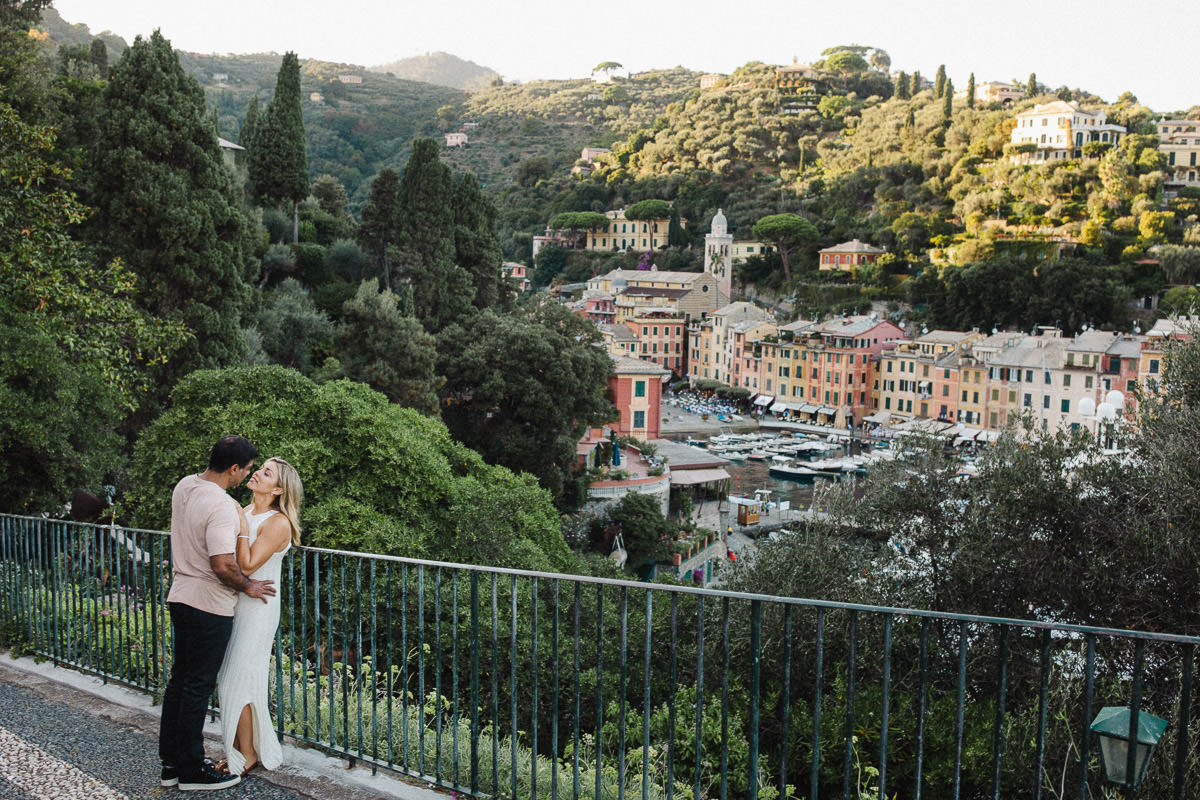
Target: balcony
{"points": [[493, 682]]}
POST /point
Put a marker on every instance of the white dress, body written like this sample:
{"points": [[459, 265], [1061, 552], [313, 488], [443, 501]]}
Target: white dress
{"points": [[243, 677]]}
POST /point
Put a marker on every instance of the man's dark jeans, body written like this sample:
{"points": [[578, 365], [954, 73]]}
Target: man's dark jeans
{"points": [[200, 640]]}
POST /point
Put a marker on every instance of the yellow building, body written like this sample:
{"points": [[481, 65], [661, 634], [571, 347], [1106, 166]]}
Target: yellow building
{"points": [[626, 234], [711, 351], [1179, 140]]}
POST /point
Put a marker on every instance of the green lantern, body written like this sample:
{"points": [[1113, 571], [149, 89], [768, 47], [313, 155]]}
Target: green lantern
{"points": [[1112, 730]]}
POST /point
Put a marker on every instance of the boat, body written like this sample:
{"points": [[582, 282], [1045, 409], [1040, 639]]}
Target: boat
{"points": [[830, 465], [790, 469]]}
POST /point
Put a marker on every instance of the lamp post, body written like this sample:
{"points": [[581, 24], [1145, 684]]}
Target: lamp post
{"points": [[1114, 731]]}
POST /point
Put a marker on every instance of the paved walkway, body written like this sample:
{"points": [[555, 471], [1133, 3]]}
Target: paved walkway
{"points": [[65, 736]]}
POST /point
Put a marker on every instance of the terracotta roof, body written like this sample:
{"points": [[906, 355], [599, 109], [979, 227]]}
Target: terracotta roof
{"points": [[853, 246], [624, 365]]}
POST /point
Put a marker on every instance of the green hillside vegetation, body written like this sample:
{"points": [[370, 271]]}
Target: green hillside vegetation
{"points": [[856, 152], [63, 33], [441, 69]]}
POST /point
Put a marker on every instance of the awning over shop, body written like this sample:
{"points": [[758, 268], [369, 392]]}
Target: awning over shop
{"points": [[827, 410], [763, 400], [808, 408], [987, 436], [690, 477], [777, 407], [965, 436], [795, 406], [879, 416]]}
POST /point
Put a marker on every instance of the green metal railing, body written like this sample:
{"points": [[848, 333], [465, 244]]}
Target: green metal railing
{"points": [[521, 684]]}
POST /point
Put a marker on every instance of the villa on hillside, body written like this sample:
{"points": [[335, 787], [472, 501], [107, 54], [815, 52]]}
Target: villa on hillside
{"points": [[847, 256], [800, 87], [1059, 130], [1179, 140], [516, 275], [618, 236], [621, 234], [990, 92]]}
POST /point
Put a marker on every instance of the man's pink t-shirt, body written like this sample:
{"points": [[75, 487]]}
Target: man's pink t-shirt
{"points": [[204, 523]]}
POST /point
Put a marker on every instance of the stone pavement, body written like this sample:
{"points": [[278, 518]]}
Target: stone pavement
{"points": [[67, 735]]}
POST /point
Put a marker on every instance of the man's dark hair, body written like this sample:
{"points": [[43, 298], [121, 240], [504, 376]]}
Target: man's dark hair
{"points": [[231, 451]]}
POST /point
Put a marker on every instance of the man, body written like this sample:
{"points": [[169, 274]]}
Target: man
{"points": [[204, 527]]}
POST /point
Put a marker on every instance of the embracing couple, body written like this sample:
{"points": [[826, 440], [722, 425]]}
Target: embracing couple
{"points": [[224, 613]]}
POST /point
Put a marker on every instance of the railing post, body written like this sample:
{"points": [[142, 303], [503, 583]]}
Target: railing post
{"points": [[1089, 685], [885, 712], [815, 778], [1135, 707], [1185, 719], [474, 682], [755, 674]]}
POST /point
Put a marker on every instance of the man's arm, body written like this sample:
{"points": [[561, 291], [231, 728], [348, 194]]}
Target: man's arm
{"points": [[229, 573]]}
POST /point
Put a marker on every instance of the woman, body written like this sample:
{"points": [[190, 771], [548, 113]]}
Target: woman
{"points": [[270, 526]]}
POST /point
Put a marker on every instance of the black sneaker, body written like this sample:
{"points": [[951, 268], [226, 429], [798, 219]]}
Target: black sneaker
{"points": [[209, 777], [170, 774]]}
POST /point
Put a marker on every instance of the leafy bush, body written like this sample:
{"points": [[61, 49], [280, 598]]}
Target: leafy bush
{"points": [[377, 477]]}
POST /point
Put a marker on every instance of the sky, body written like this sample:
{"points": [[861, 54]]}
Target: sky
{"points": [[1106, 47]]}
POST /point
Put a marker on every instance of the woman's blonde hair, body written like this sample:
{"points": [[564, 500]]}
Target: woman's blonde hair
{"points": [[288, 503]]}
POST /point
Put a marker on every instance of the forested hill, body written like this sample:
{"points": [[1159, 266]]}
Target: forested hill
{"points": [[865, 151], [441, 69]]}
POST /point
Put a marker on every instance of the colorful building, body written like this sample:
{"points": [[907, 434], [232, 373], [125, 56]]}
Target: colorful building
{"points": [[848, 256], [636, 388]]}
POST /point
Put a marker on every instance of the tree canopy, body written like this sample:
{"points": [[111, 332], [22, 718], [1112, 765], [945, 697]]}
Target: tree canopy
{"points": [[168, 206], [649, 209], [785, 231], [278, 160], [388, 350], [77, 349], [377, 477], [521, 388], [442, 291], [579, 221]]}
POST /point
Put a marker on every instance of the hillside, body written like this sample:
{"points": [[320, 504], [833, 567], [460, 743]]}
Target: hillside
{"points": [[928, 179], [440, 69]]}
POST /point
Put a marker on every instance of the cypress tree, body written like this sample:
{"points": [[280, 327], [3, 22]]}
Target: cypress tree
{"points": [[168, 206], [675, 235], [1031, 85], [902, 86], [476, 244], [250, 123], [441, 290], [939, 81], [278, 164], [948, 100], [971, 91], [916, 83], [379, 230], [910, 119], [99, 54], [23, 72]]}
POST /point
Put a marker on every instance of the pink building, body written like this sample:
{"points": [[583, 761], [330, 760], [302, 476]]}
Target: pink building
{"points": [[660, 338], [600, 308], [636, 388], [847, 256]]}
